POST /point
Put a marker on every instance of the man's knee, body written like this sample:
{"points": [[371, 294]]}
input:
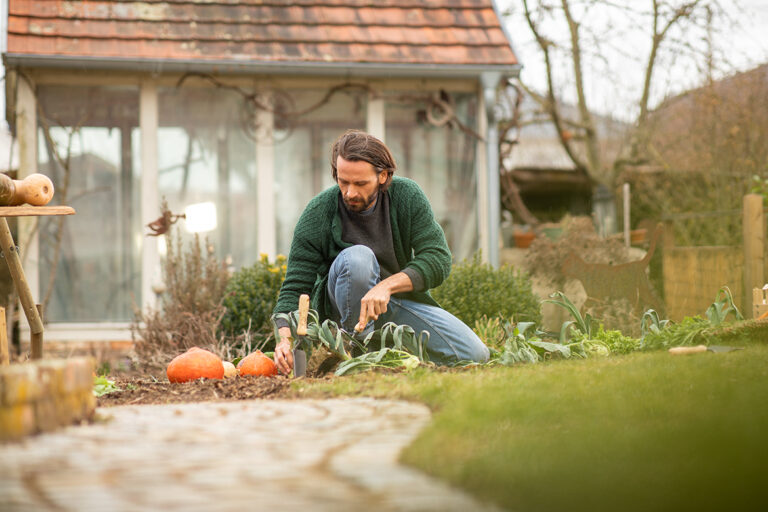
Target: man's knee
{"points": [[479, 352], [358, 261]]}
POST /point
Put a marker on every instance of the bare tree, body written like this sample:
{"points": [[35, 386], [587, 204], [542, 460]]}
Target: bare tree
{"points": [[571, 38]]}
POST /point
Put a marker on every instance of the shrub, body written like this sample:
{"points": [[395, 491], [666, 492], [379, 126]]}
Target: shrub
{"points": [[190, 307], [475, 289], [250, 298]]}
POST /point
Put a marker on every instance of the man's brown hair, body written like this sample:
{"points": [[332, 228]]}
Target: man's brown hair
{"points": [[355, 146]]}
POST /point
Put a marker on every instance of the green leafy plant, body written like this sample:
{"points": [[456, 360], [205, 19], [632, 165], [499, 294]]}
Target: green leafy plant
{"points": [[103, 386], [583, 324], [491, 332], [249, 299], [650, 323], [476, 289], [517, 345], [723, 306], [384, 358], [394, 342], [692, 330], [604, 342]]}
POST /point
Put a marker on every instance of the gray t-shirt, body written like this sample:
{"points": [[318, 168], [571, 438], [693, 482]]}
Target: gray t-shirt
{"points": [[373, 229]]}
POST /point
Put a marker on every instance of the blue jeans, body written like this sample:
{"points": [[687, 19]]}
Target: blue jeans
{"points": [[355, 271]]}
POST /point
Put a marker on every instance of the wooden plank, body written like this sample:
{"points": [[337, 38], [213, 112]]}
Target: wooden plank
{"points": [[35, 211], [4, 356]]}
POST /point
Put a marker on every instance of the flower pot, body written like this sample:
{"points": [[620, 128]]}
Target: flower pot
{"points": [[523, 239], [637, 236]]}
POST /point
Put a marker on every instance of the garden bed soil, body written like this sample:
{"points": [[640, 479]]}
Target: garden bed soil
{"points": [[148, 390]]}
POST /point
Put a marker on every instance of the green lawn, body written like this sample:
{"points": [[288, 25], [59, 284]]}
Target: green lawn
{"points": [[646, 432]]}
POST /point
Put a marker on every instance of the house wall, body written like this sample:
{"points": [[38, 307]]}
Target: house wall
{"points": [[163, 119]]}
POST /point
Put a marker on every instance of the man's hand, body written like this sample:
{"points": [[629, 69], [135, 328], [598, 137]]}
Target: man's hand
{"points": [[373, 304], [284, 351]]}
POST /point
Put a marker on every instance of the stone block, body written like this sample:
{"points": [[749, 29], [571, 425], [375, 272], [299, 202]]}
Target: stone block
{"points": [[50, 374], [16, 421], [78, 374], [47, 414], [18, 384]]}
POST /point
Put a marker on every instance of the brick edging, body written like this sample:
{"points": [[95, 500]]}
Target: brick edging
{"points": [[40, 396]]}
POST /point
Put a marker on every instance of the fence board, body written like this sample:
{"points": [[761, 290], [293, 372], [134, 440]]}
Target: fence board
{"points": [[693, 275]]}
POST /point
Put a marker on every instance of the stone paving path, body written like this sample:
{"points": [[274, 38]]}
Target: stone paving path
{"points": [[335, 455]]}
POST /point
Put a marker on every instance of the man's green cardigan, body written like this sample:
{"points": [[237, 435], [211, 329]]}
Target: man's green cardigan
{"points": [[418, 240]]}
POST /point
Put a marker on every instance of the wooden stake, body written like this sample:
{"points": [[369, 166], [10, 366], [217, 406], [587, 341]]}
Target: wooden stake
{"points": [[754, 240], [4, 357], [36, 338]]}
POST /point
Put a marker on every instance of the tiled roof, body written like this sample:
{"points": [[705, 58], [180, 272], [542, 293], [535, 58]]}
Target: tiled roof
{"points": [[421, 32]]}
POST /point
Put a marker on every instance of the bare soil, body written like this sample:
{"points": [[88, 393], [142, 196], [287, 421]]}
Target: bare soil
{"points": [[149, 390]]}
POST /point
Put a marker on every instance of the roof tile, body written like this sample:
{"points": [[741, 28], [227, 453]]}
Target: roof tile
{"points": [[350, 31]]}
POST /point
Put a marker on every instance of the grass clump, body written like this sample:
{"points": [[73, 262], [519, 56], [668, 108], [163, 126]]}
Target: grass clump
{"points": [[476, 289]]}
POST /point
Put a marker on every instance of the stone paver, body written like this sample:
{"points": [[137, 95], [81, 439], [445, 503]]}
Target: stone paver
{"points": [[335, 455]]}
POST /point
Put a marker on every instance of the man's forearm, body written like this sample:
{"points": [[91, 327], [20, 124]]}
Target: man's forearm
{"points": [[284, 332], [397, 283]]}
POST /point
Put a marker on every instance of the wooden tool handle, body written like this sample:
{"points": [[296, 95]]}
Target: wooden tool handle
{"points": [[680, 351], [35, 189], [301, 329]]}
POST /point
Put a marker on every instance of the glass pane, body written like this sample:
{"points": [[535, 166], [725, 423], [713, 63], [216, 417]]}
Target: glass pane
{"points": [[442, 161], [206, 155], [303, 153], [98, 268]]}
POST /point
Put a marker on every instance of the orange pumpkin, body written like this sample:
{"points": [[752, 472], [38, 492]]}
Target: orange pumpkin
{"points": [[194, 364], [257, 364]]}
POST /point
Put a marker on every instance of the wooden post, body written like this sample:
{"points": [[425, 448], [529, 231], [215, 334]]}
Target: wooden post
{"points": [[4, 357], [625, 198], [669, 235], [11, 255], [754, 245], [36, 338]]}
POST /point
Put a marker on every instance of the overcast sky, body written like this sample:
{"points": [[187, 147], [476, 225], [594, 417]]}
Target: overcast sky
{"points": [[613, 82]]}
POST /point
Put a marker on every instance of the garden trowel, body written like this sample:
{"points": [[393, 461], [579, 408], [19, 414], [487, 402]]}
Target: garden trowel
{"points": [[299, 356], [679, 351]]}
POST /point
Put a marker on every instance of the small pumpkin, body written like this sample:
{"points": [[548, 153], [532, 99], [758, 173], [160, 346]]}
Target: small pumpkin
{"points": [[257, 364], [194, 364], [229, 370]]}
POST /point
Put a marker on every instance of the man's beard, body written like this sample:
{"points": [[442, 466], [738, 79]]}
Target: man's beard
{"points": [[361, 204]]}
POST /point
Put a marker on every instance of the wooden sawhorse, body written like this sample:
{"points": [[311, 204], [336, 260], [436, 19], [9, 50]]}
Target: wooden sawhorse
{"points": [[11, 254]]}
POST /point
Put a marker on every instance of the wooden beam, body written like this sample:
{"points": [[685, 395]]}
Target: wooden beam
{"points": [[150, 198], [266, 234], [35, 211], [4, 356]]}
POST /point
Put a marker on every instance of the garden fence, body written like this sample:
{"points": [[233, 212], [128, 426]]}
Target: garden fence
{"points": [[693, 275]]}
